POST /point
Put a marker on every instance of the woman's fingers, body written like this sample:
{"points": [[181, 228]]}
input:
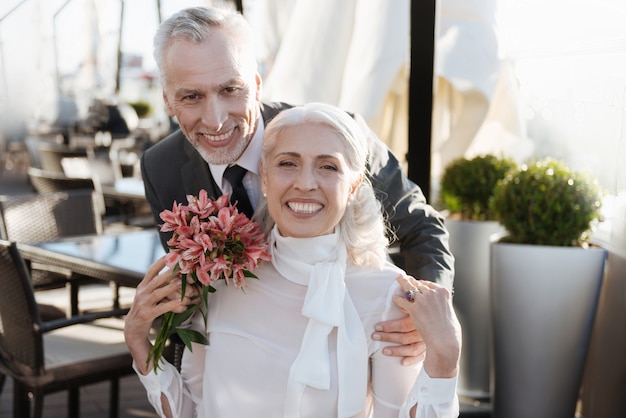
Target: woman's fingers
{"points": [[430, 307]]}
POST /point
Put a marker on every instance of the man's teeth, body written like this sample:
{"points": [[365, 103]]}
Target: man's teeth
{"points": [[304, 207], [220, 137]]}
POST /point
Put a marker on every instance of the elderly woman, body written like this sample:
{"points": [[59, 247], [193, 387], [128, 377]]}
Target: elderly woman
{"points": [[296, 342]]}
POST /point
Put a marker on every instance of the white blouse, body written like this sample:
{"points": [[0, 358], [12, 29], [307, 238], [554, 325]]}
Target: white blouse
{"points": [[256, 334]]}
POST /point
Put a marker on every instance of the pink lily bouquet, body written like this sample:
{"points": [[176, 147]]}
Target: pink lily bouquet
{"points": [[211, 241]]}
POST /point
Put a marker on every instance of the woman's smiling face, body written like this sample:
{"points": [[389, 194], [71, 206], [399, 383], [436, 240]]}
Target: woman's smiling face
{"points": [[307, 180]]}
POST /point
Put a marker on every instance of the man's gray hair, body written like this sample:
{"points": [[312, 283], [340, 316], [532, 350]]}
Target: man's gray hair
{"points": [[196, 24]]}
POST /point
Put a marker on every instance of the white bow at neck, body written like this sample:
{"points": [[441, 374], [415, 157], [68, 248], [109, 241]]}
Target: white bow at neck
{"points": [[320, 264]]}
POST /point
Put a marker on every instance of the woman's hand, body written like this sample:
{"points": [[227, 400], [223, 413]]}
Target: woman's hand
{"points": [[433, 316], [157, 293]]}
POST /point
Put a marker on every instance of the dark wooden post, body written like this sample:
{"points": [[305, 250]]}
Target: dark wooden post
{"points": [[423, 15]]}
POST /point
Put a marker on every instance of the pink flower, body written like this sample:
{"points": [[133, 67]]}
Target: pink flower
{"points": [[202, 206], [174, 219], [220, 267], [210, 241]]}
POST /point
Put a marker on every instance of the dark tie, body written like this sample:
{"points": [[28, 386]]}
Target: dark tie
{"points": [[234, 174]]}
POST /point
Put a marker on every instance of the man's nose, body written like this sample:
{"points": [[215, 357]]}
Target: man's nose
{"points": [[213, 114]]}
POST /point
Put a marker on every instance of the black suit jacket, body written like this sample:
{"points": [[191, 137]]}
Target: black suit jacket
{"points": [[172, 169]]}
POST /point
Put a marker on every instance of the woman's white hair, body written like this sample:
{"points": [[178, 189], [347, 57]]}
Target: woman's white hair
{"points": [[362, 225]]}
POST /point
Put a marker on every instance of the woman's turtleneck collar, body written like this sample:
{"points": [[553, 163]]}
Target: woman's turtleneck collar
{"points": [[312, 250]]}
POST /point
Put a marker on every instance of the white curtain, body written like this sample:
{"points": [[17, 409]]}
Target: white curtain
{"points": [[475, 109], [350, 53]]}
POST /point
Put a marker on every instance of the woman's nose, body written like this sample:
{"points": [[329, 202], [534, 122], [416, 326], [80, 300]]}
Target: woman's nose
{"points": [[306, 180]]}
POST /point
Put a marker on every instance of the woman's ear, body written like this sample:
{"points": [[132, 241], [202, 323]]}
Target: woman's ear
{"points": [[355, 187]]}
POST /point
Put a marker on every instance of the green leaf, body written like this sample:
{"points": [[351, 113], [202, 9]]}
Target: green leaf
{"points": [[182, 317], [189, 336], [183, 286], [247, 273]]}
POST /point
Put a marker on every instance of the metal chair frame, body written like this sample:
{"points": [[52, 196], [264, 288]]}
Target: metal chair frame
{"points": [[22, 350]]}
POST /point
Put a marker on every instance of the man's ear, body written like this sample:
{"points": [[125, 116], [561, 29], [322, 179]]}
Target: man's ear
{"points": [[259, 83], [263, 178], [168, 106]]}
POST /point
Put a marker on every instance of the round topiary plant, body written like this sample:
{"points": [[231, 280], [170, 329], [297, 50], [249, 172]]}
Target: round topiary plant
{"points": [[467, 185], [547, 203], [142, 108]]}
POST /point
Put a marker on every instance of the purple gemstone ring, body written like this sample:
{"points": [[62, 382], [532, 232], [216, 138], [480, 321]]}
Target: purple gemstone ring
{"points": [[410, 294]]}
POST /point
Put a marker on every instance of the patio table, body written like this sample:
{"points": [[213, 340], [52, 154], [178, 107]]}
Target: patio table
{"points": [[121, 257]]}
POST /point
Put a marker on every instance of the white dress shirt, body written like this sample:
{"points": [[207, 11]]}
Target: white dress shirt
{"points": [[248, 160]]}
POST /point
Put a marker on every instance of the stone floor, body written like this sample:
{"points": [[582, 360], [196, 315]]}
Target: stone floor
{"points": [[94, 401]]}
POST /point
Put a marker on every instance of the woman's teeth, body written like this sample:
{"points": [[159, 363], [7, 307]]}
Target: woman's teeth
{"points": [[304, 207]]}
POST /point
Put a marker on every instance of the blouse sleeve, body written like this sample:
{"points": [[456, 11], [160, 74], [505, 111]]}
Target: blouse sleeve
{"points": [[435, 398], [169, 382], [396, 388]]}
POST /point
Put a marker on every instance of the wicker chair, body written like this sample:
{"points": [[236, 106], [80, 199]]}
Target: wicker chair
{"points": [[76, 162], [51, 155], [33, 143], [45, 181], [46, 217], [49, 182], [46, 357]]}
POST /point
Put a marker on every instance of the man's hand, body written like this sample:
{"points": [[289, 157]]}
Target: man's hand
{"points": [[401, 331]]}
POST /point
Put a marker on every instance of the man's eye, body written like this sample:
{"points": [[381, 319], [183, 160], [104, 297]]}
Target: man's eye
{"points": [[231, 89], [286, 164], [191, 97]]}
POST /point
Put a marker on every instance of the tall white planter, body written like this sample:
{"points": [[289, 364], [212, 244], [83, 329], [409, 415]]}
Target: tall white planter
{"points": [[470, 245], [544, 300]]}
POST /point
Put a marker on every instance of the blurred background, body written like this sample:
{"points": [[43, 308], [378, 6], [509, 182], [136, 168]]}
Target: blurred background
{"points": [[524, 79]]}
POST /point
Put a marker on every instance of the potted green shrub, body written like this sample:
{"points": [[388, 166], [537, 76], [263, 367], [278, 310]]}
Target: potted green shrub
{"points": [[545, 282], [143, 108], [467, 186], [547, 203]]}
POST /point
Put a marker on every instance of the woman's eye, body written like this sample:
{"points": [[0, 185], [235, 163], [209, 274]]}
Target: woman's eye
{"points": [[329, 167]]}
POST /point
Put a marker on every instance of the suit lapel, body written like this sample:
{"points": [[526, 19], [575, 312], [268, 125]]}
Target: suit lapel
{"points": [[196, 175]]}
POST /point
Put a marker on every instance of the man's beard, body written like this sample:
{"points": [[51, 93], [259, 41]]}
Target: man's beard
{"points": [[221, 156]]}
